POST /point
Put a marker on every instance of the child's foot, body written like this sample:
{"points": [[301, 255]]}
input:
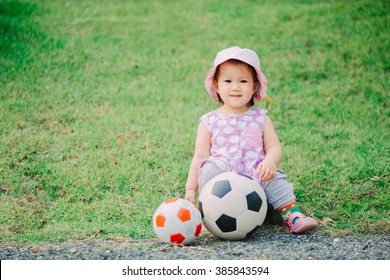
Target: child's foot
{"points": [[298, 223]]}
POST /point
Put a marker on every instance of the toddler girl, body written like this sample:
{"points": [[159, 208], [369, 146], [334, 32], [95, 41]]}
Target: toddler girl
{"points": [[242, 139]]}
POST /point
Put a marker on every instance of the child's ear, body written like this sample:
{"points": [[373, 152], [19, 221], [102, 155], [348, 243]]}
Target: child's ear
{"points": [[215, 84], [256, 86]]}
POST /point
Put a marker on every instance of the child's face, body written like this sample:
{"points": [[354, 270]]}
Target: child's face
{"points": [[235, 85]]}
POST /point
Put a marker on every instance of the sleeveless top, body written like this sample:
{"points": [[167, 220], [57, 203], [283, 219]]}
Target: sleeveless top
{"points": [[238, 139]]}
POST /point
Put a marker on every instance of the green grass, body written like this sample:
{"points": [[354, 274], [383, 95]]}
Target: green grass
{"points": [[100, 100]]}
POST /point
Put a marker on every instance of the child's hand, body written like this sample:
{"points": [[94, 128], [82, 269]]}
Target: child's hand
{"points": [[190, 195], [267, 170]]}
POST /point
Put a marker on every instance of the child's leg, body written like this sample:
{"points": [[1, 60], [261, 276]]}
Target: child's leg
{"points": [[278, 191], [281, 196]]}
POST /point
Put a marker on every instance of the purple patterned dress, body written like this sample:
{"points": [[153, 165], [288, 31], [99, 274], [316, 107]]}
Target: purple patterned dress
{"points": [[236, 140]]}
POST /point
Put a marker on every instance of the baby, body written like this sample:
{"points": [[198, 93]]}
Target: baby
{"points": [[239, 138]]}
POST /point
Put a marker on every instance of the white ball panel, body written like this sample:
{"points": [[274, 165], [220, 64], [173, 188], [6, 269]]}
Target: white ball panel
{"points": [[249, 221], [211, 226], [234, 204], [236, 235], [213, 207]]}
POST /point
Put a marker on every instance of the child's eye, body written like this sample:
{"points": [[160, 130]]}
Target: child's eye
{"points": [[228, 81], [244, 81]]}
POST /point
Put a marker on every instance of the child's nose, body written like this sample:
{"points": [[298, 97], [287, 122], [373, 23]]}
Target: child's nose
{"points": [[236, 86]]}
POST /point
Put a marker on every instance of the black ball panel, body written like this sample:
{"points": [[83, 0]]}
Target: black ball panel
{"points": [[221, 188], [252, 231], [226, 223], [254, 201], [247, 176], [201, 209]]}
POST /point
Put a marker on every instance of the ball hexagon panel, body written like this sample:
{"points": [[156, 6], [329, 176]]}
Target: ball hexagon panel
{"points": [[234, 235], [214, 204], [211, 226], [248, 221], [232, 202]]}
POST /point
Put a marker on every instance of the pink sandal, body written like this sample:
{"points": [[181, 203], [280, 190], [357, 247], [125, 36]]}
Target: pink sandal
{"points": [[298, 223]]}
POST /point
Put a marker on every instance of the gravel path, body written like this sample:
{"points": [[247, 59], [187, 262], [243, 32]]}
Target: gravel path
{"points": [[264, 244]]}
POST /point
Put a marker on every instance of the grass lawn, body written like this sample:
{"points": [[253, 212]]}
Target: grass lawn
{"points": [[100, 101]]}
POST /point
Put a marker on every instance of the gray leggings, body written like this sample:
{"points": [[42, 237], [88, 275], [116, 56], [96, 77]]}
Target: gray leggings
{"points": [[278, 191]]}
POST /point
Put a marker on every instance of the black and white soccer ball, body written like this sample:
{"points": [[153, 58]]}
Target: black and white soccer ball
{"points": [[233, 206]]}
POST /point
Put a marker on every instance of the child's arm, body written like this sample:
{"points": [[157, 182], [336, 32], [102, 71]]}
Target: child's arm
{"points": [[202, 152], [273, 150]]}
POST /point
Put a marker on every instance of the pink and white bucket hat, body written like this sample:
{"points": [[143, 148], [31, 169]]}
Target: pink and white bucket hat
{"points": [[246, 55]]}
